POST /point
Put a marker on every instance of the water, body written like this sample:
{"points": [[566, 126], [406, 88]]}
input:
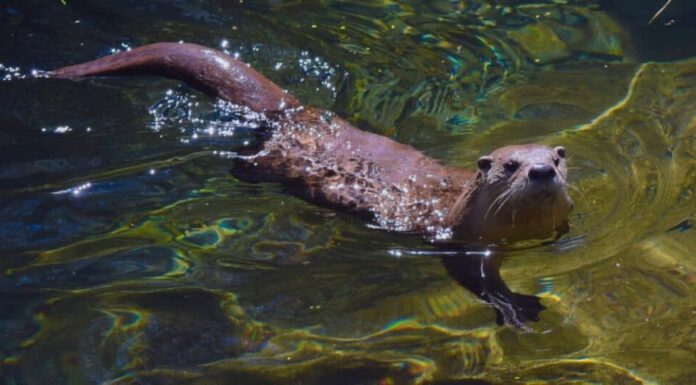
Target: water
{"points": [[130, 255]]}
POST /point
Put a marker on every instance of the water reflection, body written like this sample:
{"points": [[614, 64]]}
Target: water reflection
{"points": [[480, 274], [478, 271], [188, 275]]}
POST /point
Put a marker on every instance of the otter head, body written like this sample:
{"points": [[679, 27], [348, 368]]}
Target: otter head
{"points": [[519, 193]]}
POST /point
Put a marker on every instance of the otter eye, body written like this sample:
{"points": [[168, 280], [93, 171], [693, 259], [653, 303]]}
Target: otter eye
{"points": [[560, 150], [484, 163], [511, 166]]}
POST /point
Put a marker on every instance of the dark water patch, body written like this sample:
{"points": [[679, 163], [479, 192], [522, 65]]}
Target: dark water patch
{"points": [[54, 224], [669, 37], [17, 316], [548, 111], [74, 211], [93, 271], [94, 206], [135, 329]]}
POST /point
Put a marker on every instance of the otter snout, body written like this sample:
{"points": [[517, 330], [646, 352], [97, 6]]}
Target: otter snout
{"points": [[541, 172]]}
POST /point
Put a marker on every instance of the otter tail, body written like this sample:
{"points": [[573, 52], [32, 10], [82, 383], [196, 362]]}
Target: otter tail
{"points": [[210, 71]]}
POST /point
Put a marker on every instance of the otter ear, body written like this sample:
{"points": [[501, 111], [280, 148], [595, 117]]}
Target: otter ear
{"points": [[560, 150], [484, 163]]}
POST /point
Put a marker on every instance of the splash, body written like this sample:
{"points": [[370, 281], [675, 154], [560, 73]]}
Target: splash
{"points": [[74, 191], [318, 68], [184, 115], [10, 73]]}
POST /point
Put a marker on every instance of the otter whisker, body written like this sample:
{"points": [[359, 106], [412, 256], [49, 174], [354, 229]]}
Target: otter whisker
{"points": [[577, 190], [582, 195], [509, 195], [490, 206], [513, 214], [500, 197]]}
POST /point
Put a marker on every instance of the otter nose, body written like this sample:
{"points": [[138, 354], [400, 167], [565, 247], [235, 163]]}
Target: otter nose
{"points": [[542, 172]]}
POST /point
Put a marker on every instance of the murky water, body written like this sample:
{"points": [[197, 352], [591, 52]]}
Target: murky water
{"points": [[128, 254]]}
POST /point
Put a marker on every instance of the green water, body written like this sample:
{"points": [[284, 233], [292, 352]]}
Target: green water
{"points": [[129, 255]]}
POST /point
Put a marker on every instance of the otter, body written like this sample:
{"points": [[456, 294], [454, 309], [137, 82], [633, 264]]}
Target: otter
{"points": [[518, 192]]}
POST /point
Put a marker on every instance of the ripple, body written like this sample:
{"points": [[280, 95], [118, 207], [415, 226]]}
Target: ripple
{"points": [[131, 264]]}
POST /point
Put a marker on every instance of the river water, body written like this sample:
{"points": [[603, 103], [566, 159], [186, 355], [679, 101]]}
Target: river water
{"points": [[129, 255]]}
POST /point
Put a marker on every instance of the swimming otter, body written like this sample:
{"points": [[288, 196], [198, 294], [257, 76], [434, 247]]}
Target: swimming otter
{"points": [[519, 192]]}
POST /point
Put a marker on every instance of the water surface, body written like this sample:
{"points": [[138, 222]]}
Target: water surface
{"points": [[128, 254]]}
